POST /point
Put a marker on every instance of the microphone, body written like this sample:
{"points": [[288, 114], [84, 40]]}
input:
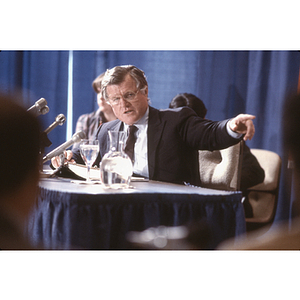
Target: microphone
{"points": [[59, 120], [39, 107], [60, 149]]}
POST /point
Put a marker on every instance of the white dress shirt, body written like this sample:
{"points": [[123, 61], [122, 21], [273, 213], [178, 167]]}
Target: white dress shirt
{"points": [[140, 166]]}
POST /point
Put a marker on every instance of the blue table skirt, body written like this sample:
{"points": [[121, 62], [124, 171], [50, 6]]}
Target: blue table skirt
{"points": [[63, 220]]}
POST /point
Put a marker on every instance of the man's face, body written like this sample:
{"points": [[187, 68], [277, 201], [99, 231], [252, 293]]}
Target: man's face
{"points": [[128, 111]]}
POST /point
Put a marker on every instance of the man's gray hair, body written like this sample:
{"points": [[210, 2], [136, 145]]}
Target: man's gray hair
{"points": [[117, 75]]}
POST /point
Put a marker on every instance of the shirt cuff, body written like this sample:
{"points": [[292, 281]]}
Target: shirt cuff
{"points": [[233, 133]]}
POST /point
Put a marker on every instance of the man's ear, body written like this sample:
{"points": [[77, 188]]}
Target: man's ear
{"points": [[145, 91]]}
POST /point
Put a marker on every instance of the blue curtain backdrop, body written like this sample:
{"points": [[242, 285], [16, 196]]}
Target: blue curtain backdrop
{"points": [[35, 75], [229, 83]]}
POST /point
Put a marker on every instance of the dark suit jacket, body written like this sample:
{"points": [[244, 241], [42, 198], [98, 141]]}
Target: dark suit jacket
{"points": [[174, 136]]}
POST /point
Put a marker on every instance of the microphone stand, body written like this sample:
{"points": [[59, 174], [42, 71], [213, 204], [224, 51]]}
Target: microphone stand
{"points": [[44, 142]]}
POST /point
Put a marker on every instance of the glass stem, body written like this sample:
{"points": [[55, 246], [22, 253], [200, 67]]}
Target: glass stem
{"points": [[88, 172]]}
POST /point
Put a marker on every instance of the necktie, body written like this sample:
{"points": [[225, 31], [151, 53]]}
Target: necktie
{"points": [[129, 148]]}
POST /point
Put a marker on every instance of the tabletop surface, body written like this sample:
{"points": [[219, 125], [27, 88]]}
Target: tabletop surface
{"points": [[79, 187]]}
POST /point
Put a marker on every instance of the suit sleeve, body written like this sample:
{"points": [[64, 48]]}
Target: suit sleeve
{"points": [[203, 134]]}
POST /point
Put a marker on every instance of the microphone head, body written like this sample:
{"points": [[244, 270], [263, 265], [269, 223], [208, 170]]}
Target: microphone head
{"points": [[39, 107], [60, 119], [44, 110], [78, 136], [41, 102]]}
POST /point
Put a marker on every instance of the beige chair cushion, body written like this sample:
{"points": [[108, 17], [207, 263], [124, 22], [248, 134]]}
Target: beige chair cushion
{"points": [[262, 205], [263, 197], [220, 169], [271, 163]]}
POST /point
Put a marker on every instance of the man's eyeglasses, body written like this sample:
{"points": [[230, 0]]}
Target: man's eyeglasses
{"points": [[128, 96]]}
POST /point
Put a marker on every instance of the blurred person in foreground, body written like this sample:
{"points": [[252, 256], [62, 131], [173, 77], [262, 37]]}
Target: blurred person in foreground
{"points": [[19, 177], [282, 235], [252, 173], [167, 141], [89, 123]]}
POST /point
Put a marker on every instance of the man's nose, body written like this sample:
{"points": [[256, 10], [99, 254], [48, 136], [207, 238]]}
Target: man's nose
{"points": [[124, 102]]}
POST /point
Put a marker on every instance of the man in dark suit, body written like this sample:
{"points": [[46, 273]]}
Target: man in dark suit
{"points": [[19, 131], [166, 140]]}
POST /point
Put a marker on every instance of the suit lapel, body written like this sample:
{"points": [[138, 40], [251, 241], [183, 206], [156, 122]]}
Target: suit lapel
{"points": [[116, 126], [155, 129]]}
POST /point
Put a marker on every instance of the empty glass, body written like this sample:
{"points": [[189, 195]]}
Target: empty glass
{"points": [[89, 150]]}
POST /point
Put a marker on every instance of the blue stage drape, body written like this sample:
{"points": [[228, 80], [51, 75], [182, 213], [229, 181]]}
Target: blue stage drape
{"points": [[229, 83], [35, 75]]}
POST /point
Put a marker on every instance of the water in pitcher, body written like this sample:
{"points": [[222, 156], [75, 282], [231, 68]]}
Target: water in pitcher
{"points": [[116, 166], [116, 171]]}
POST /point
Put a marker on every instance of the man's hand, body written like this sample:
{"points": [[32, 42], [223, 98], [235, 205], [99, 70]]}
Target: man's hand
{"points": [[68, 158], [243, 124]]}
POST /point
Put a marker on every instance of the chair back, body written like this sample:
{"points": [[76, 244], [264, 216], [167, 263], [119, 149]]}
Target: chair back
{"points": [[263, 197], [221, 169]]}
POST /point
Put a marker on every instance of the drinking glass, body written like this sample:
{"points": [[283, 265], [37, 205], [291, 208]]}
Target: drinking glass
{"points": [[89, 150]]}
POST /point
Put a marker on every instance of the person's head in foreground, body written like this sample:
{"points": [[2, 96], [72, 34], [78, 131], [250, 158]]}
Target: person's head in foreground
{"points": [[19, 157]]}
